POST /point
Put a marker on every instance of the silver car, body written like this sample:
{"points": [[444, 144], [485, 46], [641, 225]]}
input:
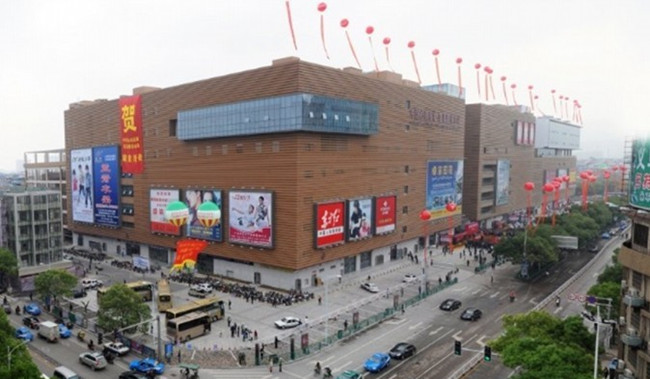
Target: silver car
{"points": [[94, 360]]}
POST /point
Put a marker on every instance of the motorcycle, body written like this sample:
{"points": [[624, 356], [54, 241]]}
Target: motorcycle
{"points": [[557, 302], [91, 345], [317, 370], [17, 310], [110, 358], [328, 373]]}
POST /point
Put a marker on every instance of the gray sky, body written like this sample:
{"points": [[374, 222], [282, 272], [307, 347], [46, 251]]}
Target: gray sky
{"points": [[53, 53]]}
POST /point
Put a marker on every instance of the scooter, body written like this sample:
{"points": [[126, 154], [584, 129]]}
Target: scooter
{"points": [[328, 373], [557, 301]]}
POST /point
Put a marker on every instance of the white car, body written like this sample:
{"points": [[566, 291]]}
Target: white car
{"points": [[287, 322], [117, 348], [370, 287], [202, 287], [408, 278], [90, 283]]}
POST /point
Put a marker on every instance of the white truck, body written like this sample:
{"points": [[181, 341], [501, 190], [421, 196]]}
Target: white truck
{"points": [[48, 330]]}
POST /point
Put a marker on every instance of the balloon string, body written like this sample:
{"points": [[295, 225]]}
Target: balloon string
{"points": [[487, 93], [492, 88], [514, 99], [293, 35], [415, 64], [566, 109], [322, 36], [460, 83], [354, 54], [388, 59], [373, 53], [530, 96], [478, 82], [505, 93], [554, 107], [539, 109], [438, 72]]}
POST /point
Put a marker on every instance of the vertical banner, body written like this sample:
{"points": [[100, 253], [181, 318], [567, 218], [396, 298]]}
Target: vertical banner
{"points": [[444, 186], [503, 182], [520, 133], [360, 219], [251, 218], [385, 214], [330, 224], [158, 201], [194, 198], [106, 172], [640, 174], [562, 172], [81, 180], [131, 134]]}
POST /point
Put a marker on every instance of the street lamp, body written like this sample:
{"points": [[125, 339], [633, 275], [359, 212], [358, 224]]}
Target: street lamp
{"points": [[9, 351]]}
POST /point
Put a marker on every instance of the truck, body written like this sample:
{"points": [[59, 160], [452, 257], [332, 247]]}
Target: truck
{"points": [[48, 330]]}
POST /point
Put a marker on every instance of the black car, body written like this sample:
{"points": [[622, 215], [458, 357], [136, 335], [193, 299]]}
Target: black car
{"points": [[78, 293], [31, 321], [402, 350], [7, 308], [471, 314], [450, 305], [132, 375]]}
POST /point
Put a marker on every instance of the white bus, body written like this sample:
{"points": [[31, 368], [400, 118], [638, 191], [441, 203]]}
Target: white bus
{"points": [[142, 287], [211, 305], [189, 326]]}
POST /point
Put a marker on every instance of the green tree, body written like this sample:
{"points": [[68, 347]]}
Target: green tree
{"points": [[120, 307], [539, 250], [609, 290], [54, 284], [8, 267], [22, 365]]}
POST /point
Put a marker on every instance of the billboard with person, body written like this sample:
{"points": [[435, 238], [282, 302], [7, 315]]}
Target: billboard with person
{"points": [[159, 199], [444, 186], [250, 218], [81, 179], [194, 198], [106, 174], [360, 219]]}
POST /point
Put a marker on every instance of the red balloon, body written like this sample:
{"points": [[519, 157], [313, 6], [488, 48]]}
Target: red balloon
{"points": [[589, 172], [513, 86], [489, 70], [606, 174], [459, 60], [561, 97], [450, 207], [386, 40], [435, 52], [592, 178], [503, 78], [369, 30], [566, 178], [345, 23], [411, 44], [584, 175], [552, 91], [530, 87], [556, 185], [529, 186], [536, 97], [425, 215], [615, 168], [477, 66], [322, 7], [548, 187]]}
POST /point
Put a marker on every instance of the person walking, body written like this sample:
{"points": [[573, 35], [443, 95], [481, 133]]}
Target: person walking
{"points": [[280, 364], [270, 364]]}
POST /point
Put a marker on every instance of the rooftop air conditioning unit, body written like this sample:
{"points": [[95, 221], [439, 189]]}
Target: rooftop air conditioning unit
{"points": [[623, 283], [632, 331], [621, 364], [628, 373], [633, 292], [621, 321]]}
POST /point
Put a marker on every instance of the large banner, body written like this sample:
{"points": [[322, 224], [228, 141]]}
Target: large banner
{"points": [[562, 172], [158, 201], [360, 219], [194, 198], [106, 173], [640, 174], [131, 134], [187, 253], [503, 182], [330, 224], [81, 177], [444, 186], [251, 218], [385, 214]]}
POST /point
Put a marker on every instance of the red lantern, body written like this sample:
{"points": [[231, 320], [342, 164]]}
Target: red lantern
{"points": [[345, 23], [411, 44], [322, 7], [529, 186], [477, 66], [425, 215], [387, 41], [584, 175], [369, 30], [435, 52], [450, 207]]}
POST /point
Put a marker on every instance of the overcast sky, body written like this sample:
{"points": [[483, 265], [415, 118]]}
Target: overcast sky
{"points": [[53, 53]]}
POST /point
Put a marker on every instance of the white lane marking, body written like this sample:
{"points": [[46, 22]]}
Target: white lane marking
{"points": [[457, 334], [532, 301], [435, 331], [495, 294], [396, 321], [459, 289], [415, 326], [477, 291], [558, 309], [480, 340]]}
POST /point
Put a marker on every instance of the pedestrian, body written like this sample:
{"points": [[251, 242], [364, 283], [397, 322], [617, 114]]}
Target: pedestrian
{"points": [[345, 325], [270, 364], [31, 296], [319, 300], [229, 321], [491, 279], [229, 304], [468, 263], [280, 364], [402, 308], [179, 356], [255, 334]]}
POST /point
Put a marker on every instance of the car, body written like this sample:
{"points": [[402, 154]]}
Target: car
{"points": [[90, 283], [349, 374], [31, 321], [605, 236], [117, 348], [450, 305], [408, 278], [287, 322], [24, 333], [370, 287], [33, 309], [93, 359], [203, 287], [7, 308], [64, 332], [377, 362], [146, 365], [78, 293], [594, 249], [402, 350], [132, 375], [471, 314]]}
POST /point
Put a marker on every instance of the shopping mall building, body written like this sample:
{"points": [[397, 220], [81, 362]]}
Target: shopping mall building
{"points": [[318, 172]]}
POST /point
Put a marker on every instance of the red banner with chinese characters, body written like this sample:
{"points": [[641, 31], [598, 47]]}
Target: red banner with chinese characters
{"points": [[330, 219], [131, 134], [187, 251]]}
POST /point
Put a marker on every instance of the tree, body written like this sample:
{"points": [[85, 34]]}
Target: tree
{"points": [[8, 267], [21, 362], [120, 307], [608, 290], [54, 284], [539, 250]]}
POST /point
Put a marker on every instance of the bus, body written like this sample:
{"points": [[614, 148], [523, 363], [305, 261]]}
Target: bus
{"points": [[164, 297], [211, 305], [144, 288], [186, 327]]}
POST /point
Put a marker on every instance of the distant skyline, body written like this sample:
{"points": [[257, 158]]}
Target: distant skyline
{"points": [[57, 53]]}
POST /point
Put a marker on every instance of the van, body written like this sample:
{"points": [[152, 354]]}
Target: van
{"points": [[89, 283], [63, 372], [48, 330]]}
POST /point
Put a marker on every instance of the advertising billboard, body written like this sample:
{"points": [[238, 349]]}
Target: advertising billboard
{"points": [[81, 161], [106, 174], [503, 182], [640, 174], [194, 198], [159, 198], [250, 218], [330, 224], [385, 214], [360, 219], [131, 134], [444, 185]]}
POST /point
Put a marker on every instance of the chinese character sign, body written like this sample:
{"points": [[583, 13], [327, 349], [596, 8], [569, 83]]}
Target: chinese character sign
{"points": [[503, 182], [640, 174], [81, 179], [330, 224], [131, 134], [444, 186], [106, 176], [250, 218], [385, 213], [187, 252], [159, 199]]}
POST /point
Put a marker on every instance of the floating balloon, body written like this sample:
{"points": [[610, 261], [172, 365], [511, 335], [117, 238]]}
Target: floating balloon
{"points": [[369, 31], [344, 24], [177, 213], [451, 208], [411, 45], [505, 93], [386, 43], [425, 215], [321, 8], [490, 72], [529, 187], [554, 107], [208, 214], [513, 86]]}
